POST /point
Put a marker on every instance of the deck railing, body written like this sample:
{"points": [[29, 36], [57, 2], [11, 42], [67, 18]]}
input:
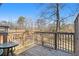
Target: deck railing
{"points": [[56, 40], [23, 39]]}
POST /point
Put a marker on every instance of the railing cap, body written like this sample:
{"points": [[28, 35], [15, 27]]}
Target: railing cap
{"points": [[56, 32], [5, 26]]}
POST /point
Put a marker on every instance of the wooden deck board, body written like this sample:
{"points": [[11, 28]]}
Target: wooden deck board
{"points": [[38, 50]]}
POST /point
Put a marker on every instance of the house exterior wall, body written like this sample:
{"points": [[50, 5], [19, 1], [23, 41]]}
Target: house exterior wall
{"points": [[76, 27]]}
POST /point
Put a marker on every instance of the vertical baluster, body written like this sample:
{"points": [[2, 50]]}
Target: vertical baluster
{"points": [[48, 36], [71, 42], [68, 43], [65, 42], [51, 41], [74, 43], [42, 41], [39, 40], [34, 38], [59, 41]]}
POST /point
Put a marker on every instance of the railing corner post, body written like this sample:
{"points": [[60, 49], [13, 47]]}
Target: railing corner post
{"points": [[55, 41]]}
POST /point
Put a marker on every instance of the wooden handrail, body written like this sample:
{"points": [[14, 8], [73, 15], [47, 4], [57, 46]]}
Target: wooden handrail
{"points": [[55, 32]]}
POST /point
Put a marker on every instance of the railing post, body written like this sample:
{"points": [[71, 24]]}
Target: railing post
{"points": [[55, 41], [35, 38], [42, 40]]}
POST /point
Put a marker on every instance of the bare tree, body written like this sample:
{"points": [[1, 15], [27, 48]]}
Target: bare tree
{"points": [[29, 24], [58, 18], [41, 24], [53, 12]]}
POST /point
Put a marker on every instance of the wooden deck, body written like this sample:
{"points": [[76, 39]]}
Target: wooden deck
{"points": [[38, 50]]}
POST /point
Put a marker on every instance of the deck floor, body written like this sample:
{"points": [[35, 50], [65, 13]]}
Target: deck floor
{"points": [[38, 50]]}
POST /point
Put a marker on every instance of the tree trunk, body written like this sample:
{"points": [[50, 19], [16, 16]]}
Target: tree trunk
{"points": [[57, 18]]}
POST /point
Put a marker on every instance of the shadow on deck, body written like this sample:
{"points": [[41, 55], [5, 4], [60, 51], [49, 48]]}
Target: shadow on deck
{"points": [[39, 50]]}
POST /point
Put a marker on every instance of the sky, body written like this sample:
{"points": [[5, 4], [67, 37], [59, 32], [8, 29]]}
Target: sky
{"points": [[11, 11]]}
